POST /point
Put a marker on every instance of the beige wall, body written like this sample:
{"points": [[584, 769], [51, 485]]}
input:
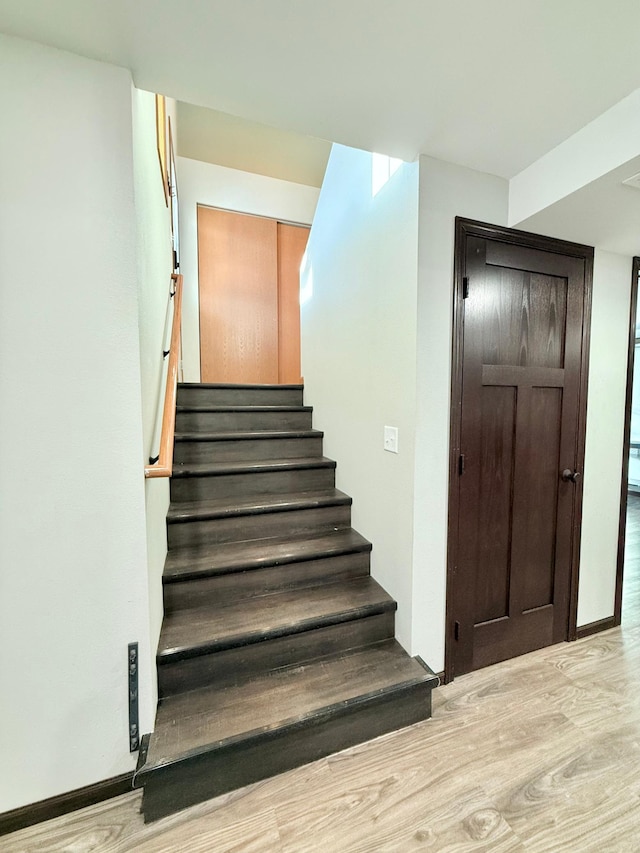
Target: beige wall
{"points": [[359, 353], [605, 432], [154, 267], [73, 585], [227, 140]]}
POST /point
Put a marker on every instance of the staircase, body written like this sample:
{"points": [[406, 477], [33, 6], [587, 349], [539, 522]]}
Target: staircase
{"points": [[277, 647]]}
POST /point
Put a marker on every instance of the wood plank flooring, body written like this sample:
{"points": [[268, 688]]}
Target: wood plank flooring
{"points": [[535, 755]]}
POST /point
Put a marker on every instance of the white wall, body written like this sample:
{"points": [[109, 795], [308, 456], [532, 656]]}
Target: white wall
{"points": [[218, 186], [605, 431], [154, 267], [446, 191], [359, 353], [606, 143], [73, 585]]}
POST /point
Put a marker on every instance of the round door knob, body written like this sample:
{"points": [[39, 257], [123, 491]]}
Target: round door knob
{"points": [[570, 476]]}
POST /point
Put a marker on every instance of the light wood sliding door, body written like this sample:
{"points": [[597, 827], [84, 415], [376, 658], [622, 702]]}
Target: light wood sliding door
{"points": [[248, 269], [292, 241], [238, 279]]}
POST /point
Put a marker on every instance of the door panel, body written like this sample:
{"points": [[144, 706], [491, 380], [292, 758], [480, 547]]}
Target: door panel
{"points": [[249, 284], [292, 242], [238, 283], [496, 459], [536, 532], [521, 361]]}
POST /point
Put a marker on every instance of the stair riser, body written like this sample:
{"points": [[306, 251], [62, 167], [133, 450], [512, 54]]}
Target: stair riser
{"points": [[232, 665], [247, 584], [203, 396], [318, 520], [202, 778], [254, 483], [246, 450], [241, 421]]}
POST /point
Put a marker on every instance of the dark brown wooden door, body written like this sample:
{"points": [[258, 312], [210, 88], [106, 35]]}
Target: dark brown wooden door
{"points": [[522, 354]]}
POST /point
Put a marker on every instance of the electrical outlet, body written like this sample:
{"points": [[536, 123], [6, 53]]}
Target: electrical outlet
{"points": [[391, 439]]}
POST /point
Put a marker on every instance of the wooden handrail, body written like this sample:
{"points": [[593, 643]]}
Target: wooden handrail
{"points": [[164, 466]]}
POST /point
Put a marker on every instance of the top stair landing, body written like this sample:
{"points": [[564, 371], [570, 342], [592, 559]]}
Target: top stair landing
{"points": [[239, 395]]}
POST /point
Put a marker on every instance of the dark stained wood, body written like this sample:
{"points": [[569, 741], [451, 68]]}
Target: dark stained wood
{"points": [[227, 624], [277, 645], [311, 520], [246, 447], [195, 721], [517, 417], [535, 506], [205, 482], [64, 803], [233, 394], [229, 418], [498, 418], [522, 377], [624, 487], [252, 466], [453, 517], [187, 511], [595, 627], [192, 576], [193, 564], [283, 748], [229, 666], [329, 568], [511, 295]]}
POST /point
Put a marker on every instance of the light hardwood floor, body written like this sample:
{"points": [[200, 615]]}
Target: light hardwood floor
{"points": [[535, 755]]}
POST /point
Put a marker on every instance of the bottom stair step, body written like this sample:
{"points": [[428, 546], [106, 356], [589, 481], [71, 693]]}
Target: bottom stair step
{"points": [[213, 740], [238, 639]]}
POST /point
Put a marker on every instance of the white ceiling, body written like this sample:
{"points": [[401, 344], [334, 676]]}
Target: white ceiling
{"points": [[492, 85], [604, 213]]}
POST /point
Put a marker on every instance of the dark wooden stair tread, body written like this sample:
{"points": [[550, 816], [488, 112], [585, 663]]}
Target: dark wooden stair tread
{"points": [[226, 386], [213, 717], [192, 563], [254, 505], [249, 435], [188, 633], [203, 469], [209, 407]]}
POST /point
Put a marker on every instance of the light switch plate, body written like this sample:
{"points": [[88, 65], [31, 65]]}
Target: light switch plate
{"points": [[391, 439]]}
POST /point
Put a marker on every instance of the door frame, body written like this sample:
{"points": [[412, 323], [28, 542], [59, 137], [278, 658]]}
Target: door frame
{"points": [[626, 447], [470, 228]]}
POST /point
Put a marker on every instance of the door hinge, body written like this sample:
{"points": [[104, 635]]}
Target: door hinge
{"points": [[461, 464], [465, 287], [456, 630]]}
